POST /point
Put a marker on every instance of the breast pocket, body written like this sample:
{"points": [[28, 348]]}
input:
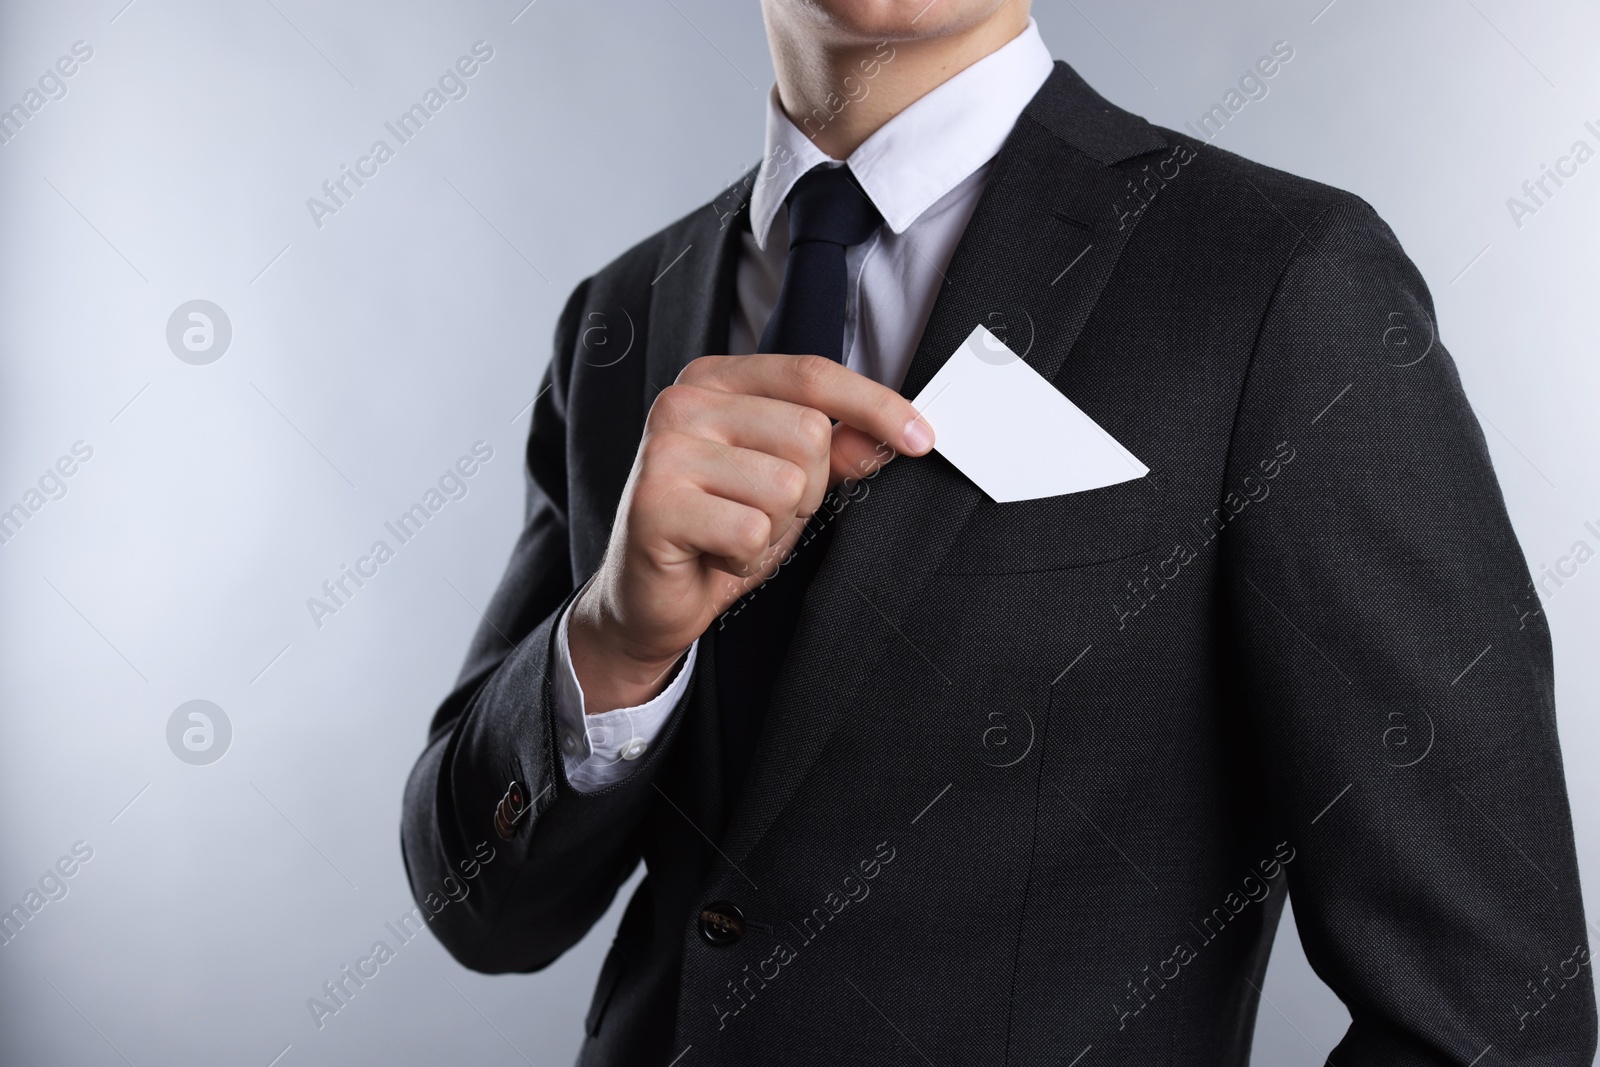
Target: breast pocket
{"points": [[1059, 532]]}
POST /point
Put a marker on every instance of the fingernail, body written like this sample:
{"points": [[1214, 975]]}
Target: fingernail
{"points": [[919, 436]]}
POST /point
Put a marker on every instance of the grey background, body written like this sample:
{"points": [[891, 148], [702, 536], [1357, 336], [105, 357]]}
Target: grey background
{"points": [[369, 354]]}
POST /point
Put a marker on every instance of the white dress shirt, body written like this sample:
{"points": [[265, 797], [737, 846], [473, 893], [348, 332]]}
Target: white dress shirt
{"points": [[924, 171]]}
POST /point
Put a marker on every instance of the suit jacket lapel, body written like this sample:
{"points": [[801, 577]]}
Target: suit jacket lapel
{"points": [[1041, 244], [691, 296], [691, 301]]}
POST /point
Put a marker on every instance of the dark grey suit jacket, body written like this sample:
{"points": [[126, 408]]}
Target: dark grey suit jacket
{"points": [[1038, 776]]}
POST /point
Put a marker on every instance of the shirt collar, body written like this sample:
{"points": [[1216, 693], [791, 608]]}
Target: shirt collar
{"points": [[923, 152]]}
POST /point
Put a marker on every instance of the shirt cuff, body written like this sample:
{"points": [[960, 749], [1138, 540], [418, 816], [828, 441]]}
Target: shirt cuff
{"points": [[600, 750]]}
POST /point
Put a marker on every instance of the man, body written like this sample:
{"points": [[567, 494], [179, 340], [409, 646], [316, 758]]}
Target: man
{"points": [[935, 779]]}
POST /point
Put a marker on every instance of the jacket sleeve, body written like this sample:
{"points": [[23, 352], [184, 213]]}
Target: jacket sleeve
{"points": [[1397, 673], [515, 904]]}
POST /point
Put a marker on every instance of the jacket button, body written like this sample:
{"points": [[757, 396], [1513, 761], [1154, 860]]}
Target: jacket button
{"points": [[721, 923]]}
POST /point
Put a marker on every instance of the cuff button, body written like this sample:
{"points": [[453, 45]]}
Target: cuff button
{"points": [[512, 807]]}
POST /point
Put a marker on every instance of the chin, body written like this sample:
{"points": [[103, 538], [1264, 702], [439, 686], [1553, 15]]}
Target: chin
{"points": [[894, 20]]}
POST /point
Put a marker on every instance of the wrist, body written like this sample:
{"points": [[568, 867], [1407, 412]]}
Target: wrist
{"points": [[612, 670]]}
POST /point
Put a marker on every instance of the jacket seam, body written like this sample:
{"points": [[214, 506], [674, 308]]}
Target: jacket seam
{"points": [[1255, 344], [1027, 884]]}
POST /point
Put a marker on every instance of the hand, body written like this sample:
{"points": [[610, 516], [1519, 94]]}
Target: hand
{"points": [[736, 455]]}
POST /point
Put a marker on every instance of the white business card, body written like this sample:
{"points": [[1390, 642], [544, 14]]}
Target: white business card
{"points": [[1012, 432]]}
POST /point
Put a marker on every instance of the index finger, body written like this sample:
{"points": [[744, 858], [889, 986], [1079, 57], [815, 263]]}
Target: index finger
{"points": [[817, 382]]}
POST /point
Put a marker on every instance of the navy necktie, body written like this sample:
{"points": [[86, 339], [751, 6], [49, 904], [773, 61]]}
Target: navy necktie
{"points": [[828, 212]]}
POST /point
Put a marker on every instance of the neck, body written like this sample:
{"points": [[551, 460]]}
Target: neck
{"points": [[840, 89]]}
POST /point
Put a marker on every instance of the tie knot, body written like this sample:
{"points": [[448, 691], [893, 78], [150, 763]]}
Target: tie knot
{"points": [[828, 204]]}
